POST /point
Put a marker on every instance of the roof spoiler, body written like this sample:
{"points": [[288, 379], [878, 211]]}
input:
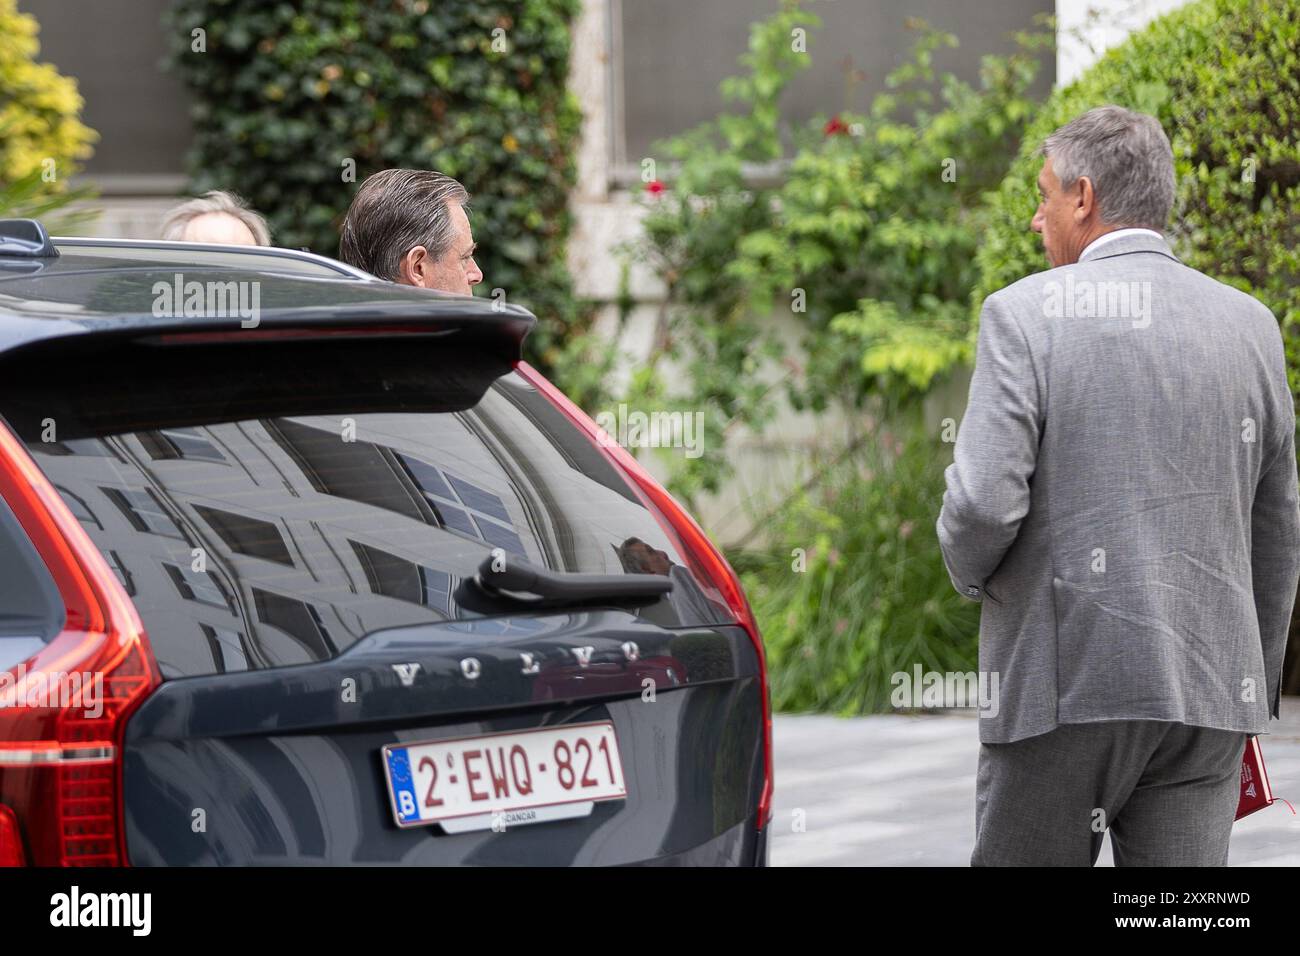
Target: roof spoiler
{"points": [[25, 239], [499, 335]]}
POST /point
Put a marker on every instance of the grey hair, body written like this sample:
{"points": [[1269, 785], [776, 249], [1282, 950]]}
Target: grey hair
{"points": [[1127, 157], [215, 200], [396, 210]]}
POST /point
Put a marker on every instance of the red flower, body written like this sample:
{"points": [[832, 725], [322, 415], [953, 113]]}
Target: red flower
{"points": [[655, 187], [835, 125]]}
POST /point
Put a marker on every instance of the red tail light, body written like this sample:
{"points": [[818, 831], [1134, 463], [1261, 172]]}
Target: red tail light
{"points": [[707, 561], [61, 741], [11, 840]]}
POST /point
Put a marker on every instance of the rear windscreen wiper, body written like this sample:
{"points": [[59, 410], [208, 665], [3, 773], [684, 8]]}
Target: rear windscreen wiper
{"points": [[514, 576]]}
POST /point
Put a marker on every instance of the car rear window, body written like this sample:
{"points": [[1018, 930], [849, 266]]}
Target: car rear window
{"points": [[265, 511]]}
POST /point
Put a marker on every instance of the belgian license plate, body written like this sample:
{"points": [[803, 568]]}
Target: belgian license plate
{"points": [[501, 780]]}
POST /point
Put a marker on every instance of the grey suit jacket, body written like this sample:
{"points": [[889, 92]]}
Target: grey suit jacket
{"points": [[1123, 497]]}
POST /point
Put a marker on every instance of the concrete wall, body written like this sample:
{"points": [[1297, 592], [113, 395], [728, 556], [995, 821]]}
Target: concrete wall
{"points": [[1088, 28]]}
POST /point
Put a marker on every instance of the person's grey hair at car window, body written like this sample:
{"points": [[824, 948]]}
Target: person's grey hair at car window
{"points": [[396, 210], [216, 217], [1126, 156]]}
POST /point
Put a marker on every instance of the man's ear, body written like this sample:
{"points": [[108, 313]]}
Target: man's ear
{"points": [[413, 268], [1085, 200]]}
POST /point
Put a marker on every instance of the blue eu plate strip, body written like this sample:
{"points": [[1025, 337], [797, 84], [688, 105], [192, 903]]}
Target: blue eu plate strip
{"points": [[399, 772]]}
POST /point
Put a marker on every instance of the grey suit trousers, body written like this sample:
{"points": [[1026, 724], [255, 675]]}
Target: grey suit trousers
{"points": [[1167, 791]]}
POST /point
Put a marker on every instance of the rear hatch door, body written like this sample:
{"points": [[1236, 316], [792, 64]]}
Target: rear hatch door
{"points": [[301, 523]]}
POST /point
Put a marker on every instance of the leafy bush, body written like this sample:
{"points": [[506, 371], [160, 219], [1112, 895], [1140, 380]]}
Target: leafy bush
{"points": [[1223, 76], [286, 93], [42, 140], [874, 598], [868, 234]]}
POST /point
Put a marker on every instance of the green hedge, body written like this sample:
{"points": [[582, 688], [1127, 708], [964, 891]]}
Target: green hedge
{"points": [[285, 93], [1223, 76]]}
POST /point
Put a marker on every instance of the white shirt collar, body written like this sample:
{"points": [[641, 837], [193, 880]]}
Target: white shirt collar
{"points": [[1118, 234]]}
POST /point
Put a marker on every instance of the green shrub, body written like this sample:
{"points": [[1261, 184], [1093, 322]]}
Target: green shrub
{"points": [[873, 598], [42, 140], [1223, 76], [286, 93]]}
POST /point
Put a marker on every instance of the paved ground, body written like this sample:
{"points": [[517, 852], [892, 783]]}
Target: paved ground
{"points": [[894, 790]]}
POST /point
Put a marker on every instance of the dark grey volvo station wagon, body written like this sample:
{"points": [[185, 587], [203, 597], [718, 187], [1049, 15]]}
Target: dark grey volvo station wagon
{"points": [[302, 567]]}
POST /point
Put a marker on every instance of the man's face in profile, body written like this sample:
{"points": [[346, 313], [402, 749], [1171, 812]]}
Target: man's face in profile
{"points": [[650, 560], [456, 271], [1059, 218]]}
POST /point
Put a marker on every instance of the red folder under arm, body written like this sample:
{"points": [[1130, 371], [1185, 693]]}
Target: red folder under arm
{"points": [[1255, 791]]}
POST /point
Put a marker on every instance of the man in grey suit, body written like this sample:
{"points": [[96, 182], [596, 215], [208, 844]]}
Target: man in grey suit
{"points": [[1123, 502]]}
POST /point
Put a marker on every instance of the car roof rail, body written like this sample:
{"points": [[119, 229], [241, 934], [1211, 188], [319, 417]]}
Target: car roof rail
{"points": [[25, 238]]}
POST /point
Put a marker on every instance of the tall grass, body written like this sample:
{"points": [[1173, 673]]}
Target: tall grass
{"points": [[873, 598]]}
